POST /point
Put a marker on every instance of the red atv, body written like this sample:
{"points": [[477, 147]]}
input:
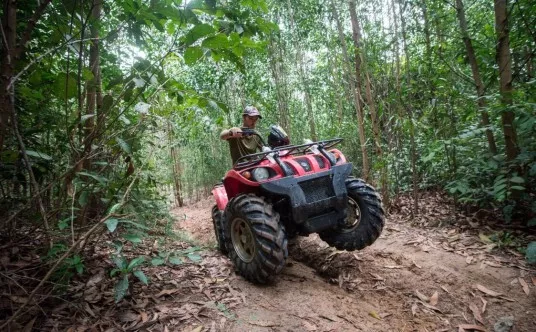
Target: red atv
{"points": [[290, 190]]}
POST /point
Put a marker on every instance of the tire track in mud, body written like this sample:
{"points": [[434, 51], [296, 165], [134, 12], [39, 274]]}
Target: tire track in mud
{"points": [[381, 288]]}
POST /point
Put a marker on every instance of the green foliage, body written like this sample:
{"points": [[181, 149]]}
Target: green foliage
{"points": [[176, 258], [531, 253], [124, 269]]}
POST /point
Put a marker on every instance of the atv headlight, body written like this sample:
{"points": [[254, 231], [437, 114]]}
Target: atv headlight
{"points": [[260, 174]]}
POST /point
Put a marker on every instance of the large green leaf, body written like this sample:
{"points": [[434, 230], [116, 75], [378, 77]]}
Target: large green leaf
{"points": [[124, 145], [531, 253], [156, 261], [218, 41], [65, 86], [111, 224], [192, 54], [101, 179], [37, 154], [134, 238], [197, 32], [141, 276], [135, 263], [121, 288]]}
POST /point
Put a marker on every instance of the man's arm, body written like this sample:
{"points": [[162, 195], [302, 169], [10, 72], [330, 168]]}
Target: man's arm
{"points": [[231, 133]]}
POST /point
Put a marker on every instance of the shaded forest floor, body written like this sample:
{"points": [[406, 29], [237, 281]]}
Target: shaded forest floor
{"points": [[439, 276], [412, 279]]}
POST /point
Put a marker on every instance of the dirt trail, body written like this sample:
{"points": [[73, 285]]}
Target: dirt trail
{"points": [[411, 279]]}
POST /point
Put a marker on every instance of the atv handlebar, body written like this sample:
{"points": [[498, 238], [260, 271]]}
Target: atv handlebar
{"points": [[251, 132], [282, 151]]}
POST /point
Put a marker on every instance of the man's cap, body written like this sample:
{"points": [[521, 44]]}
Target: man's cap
{"points": [[252, 111]]}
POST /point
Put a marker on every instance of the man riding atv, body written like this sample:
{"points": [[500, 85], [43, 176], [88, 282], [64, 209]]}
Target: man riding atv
{"points": [[286, 191], [241, 145]]}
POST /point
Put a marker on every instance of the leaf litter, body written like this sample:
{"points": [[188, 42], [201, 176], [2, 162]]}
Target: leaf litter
{"points": [[200, 293]]}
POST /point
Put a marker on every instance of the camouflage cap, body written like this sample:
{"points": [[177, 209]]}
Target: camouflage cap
{"points": [[252, 111]]}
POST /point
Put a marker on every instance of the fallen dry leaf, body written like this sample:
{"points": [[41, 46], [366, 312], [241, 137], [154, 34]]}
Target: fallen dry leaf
{"points": [[197, 329], [434, 299], [476, 313], [29, 326], [18, 299], [484, 238], [309, 326], [487, 291], [144, 317], [492, 264], [525, 286], [533, 280], [463, 327], [167, 292], [484, 304], [421, 296], [375, 315], [264, 323], [430, 307], [414, 309]]}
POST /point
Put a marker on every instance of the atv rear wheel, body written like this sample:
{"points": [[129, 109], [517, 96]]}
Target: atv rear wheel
{"points": [[217, 221], [255, 238], [364, 221]]}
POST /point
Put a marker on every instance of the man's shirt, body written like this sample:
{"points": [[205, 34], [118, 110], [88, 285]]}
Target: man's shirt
{"points": [[242, 146]]}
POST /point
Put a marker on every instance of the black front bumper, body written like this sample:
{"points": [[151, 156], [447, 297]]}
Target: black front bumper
{"points": [[317, 201]]}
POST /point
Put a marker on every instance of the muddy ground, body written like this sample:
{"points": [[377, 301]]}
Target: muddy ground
{"points": [[432, 278]]}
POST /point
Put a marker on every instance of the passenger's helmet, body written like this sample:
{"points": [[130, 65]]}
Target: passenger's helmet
{"points": [[277, 137]]}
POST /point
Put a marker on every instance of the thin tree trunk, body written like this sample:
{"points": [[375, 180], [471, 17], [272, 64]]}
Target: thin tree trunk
{"points": [[361, 67], [93, 89], [359, 49], [303, 80], [176, 171], [355, 94], [9, 39], [476, 76], [94, 102], [334, 85], [415, 209], [505, 77], [275, 66]]}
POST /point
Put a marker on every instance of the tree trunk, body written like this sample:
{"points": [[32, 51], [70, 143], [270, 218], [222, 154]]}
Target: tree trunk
{"points": [[94, 103], [409, 109], [93, 90], [9, 26], [335, 83], [176, 171], [359, 50], [303, 80], [355, 94], [505, 77], [361, 67], [275, 66], [476, 76]]}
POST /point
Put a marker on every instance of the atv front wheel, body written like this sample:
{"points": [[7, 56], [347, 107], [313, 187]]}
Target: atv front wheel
{"points": [[217, 221], [255, 238], [364, 220]]}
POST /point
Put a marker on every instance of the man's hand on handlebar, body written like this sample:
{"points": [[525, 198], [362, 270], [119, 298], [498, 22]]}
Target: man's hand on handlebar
{"points": [[235, 132]]}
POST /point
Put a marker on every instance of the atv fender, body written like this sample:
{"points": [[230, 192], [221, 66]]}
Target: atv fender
{"points": [[220, 195]]}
